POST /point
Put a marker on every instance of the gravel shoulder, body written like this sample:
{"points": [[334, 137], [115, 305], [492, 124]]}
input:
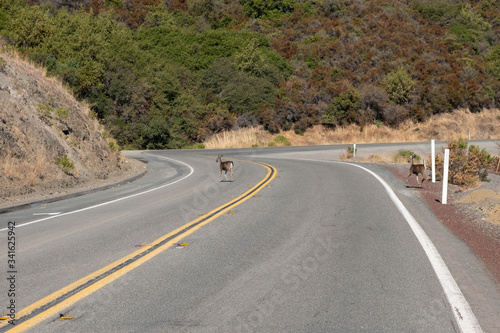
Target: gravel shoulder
{"points": [[473, 214]]}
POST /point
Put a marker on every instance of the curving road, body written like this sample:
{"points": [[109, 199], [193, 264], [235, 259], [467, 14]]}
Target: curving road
{"points": [[299, 242]]}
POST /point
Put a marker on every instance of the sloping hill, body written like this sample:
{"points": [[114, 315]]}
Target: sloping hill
{"points": [[48, 140], [170, 74]]}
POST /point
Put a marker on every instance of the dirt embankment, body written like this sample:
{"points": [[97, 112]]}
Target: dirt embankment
{"points": [[49, 143], [485, 202]]}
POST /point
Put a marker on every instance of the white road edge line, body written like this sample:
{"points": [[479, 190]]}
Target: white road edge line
{"points": [[112, 201], [462, 312]]}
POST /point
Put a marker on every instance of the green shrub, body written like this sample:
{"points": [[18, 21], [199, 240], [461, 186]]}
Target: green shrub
{"points": [[44, 111], [311, 62], [344, 110], [114, 3], [3, 20], [65, 164], [282, 141], [432, 12], [113, 146], [403, 156], [493, 60], [61, 113], [400, 86], [3, 64], [351, 152], [336, 73], [267, 8], [300, 132]]}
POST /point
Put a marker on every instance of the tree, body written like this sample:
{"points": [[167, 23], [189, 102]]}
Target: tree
{"points": [[30, 27], [155, 132], [493, 59], [254, 60], [400, 86], [344, 110]]}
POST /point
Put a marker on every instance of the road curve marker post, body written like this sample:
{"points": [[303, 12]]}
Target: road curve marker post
{"points": [[444, 198], [433, 160]]}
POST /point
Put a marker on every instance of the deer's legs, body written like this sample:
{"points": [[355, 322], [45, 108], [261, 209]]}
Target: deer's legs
{"points": [[408, 177]]}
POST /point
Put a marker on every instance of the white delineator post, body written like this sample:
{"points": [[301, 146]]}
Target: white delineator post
{"points": [[433, 160], [444, 199], [354, 152]]}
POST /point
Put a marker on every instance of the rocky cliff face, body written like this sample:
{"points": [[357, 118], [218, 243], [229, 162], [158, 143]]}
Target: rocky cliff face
{"points": [[47, 138]]}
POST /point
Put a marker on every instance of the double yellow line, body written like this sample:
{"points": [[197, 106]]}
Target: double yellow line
{"points": [[55, 303]]}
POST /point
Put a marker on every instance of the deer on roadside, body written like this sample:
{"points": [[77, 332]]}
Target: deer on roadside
{"points": [[225, 166], [416, 169]]}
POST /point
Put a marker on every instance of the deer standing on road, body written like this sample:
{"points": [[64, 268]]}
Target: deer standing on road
{"points": [[225, 166], [415, 169]]}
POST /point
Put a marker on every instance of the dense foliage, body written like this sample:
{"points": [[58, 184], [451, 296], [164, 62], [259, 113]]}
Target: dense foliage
{"points": [[166, 74]]}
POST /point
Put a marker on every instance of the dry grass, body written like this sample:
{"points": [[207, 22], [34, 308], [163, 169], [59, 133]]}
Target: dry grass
{"points": [[243, 137], [28, 172], [443, 127]]}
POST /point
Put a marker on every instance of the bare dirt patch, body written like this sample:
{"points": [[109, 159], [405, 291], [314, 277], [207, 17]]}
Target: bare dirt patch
{"points": [[484, 201]]}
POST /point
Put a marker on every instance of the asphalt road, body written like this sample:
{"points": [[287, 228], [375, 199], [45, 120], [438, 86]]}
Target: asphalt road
{"points": [[299, 242]]}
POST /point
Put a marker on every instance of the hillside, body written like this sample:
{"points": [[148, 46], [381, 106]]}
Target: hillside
{"points": [[168, 74], [49, 143]]}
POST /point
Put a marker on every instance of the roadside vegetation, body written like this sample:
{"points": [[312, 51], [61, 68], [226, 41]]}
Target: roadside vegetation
{"points": [[468, 165], [171, 74]]}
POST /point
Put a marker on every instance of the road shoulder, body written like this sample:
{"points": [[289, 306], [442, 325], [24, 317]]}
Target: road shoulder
{"points": [[469, 244]]}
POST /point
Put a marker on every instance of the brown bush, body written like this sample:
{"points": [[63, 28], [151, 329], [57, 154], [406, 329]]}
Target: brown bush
{"points": [[468, 164]]}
